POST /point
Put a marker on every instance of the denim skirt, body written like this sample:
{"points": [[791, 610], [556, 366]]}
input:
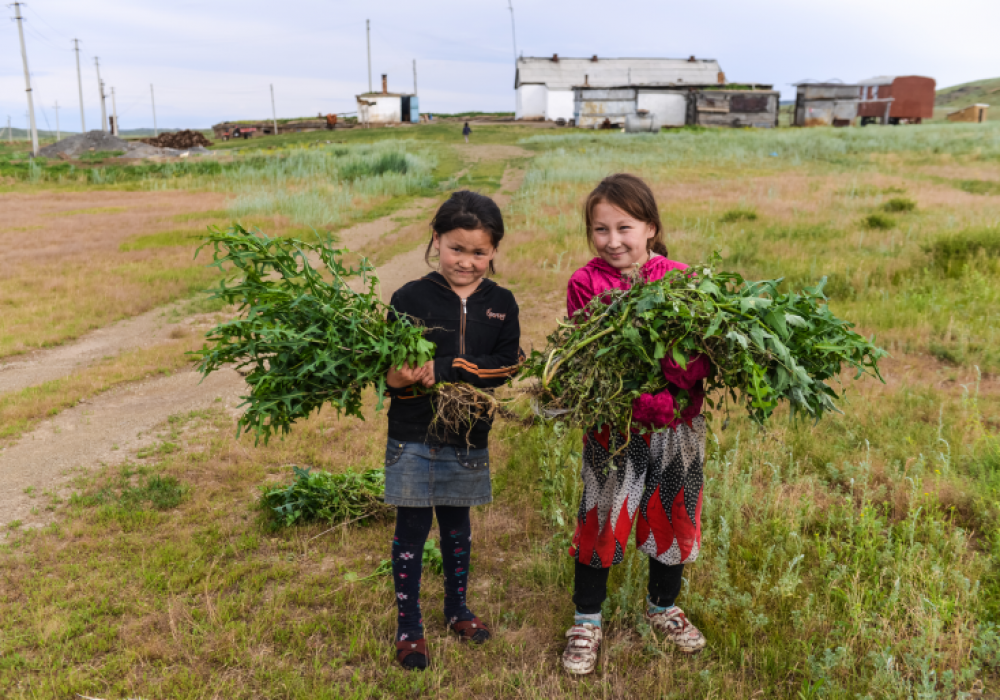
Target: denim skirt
{"points": [[418, 475]]}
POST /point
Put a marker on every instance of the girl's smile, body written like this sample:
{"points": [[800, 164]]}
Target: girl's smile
{"points": [[620, 240]]}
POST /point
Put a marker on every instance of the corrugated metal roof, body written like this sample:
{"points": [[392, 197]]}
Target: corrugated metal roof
{"points": [[567, 73]]}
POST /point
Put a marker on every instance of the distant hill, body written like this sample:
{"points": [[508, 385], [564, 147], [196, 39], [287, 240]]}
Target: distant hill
{"points": [[959, 96]]}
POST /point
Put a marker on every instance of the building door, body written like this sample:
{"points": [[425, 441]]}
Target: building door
{"points": [[406, 108], [666, 108]]}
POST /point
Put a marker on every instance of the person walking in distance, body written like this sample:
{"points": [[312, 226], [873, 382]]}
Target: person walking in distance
{"points": [[466, 131]]}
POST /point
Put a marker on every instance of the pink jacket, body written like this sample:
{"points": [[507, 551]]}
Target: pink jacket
{"points": [[657, 411]]}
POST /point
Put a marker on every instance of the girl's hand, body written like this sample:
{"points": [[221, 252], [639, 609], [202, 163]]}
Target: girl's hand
{"points": [[407, 375]]}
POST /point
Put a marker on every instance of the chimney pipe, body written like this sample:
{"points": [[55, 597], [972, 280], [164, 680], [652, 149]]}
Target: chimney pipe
{"points": [[555, 58], [385, 84]]}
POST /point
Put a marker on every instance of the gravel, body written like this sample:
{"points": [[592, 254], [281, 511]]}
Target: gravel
{"points": [[83, 143]]}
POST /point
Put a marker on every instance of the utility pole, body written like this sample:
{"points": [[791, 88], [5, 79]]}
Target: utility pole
{"points": [[414, 76], [368, 30], [274, 114], [513, 36], [27, 80], [114, 110], [152, 98], [79, 86], [58, 133], [100, 88]]}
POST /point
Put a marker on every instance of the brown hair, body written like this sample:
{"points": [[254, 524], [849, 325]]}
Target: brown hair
{"points": [[633, 196], [470, 211]]}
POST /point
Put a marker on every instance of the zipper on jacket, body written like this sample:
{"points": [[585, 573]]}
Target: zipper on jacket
{"points": [[461, 345]]}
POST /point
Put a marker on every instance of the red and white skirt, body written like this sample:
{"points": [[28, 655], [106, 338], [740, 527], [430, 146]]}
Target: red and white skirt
{"points": [[658, 478]]}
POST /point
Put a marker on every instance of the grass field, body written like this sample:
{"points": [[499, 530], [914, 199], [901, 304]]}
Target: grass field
{"points": [[857, 558]]}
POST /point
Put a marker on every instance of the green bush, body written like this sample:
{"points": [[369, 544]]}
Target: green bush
{"points": [[880, 222], [378, 164], [950, 254], [979, 186], [738, 214], [899, 204]]}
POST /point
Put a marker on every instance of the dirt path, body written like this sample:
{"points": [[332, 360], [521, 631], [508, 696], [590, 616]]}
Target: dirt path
{"points": [[145, 330], [106, 430], [111, 427]]}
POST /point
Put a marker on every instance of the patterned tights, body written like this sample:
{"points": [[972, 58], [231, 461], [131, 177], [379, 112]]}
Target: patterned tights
{"points": [[412, 527]]}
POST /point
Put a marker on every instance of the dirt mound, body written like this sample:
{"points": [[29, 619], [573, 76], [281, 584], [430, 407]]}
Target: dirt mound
{"points": [[179, 139], [92, 141]]}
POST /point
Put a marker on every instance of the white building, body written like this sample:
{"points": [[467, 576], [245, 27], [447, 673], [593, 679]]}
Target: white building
{"points": [[545, 85], [379, 108]]}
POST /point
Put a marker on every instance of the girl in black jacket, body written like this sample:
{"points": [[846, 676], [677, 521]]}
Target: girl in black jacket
{"points": [[473, 322]]}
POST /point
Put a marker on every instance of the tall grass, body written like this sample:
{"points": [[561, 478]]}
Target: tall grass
{"points": [[583, 157], [324, 187]]}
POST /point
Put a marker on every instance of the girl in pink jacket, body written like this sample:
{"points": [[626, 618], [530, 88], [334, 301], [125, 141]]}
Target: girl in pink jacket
{"points": [[658, 480]]}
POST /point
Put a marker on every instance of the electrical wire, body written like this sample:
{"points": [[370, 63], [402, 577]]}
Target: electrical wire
{"points": [[44, 21]]}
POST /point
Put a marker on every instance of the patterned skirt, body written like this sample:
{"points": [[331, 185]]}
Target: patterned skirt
{"points": [[658, 477]]}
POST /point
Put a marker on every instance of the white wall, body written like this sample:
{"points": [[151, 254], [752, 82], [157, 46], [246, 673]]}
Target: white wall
{"points": [[387, 108], [666, 108], [560, 105], [532, 101]]}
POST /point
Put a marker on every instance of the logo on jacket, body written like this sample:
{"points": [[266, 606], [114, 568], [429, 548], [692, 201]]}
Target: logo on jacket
{"points": [[490, 314]]}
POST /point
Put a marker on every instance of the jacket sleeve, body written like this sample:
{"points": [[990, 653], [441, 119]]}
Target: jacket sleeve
{"points": [[392, 316], [486, 371]]}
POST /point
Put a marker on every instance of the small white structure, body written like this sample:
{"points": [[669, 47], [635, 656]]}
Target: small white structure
{"points": [[381, 108], [544, 86]]}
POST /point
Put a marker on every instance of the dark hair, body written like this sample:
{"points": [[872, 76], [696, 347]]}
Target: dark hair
{"points": [[633, 196], [470, 211]]}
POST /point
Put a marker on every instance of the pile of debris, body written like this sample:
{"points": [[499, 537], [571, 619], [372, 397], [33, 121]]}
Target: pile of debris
{"points": [[181, 139], [81, 144]]}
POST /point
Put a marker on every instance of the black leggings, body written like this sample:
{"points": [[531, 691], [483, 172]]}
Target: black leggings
{"points": [[590, 586], [414, 524]]}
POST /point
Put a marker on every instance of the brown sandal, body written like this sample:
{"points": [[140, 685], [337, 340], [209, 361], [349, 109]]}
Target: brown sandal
{"points": [[472, 630], [412, 654]]}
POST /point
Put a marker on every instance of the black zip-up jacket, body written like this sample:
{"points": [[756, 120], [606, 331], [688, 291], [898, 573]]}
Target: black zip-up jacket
{"points": [[477, 340]]}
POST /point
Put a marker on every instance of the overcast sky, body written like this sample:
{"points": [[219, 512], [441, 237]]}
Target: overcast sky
{"points": [[213, 60]]}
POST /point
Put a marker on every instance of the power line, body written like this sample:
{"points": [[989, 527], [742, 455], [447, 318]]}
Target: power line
{"points": [[39, 16]]}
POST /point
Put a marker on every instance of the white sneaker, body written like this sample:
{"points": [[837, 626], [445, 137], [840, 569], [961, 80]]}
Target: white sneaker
{"points": [[673, 624], [580, 656]]}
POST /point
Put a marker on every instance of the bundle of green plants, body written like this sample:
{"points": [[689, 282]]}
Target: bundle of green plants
{"points": [[766, 347], [322, 496], [304, 337]]}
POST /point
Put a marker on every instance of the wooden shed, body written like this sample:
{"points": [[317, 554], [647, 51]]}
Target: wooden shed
{"points": [[825, 104], [972, 113], [904, 99], [735, 108]]}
